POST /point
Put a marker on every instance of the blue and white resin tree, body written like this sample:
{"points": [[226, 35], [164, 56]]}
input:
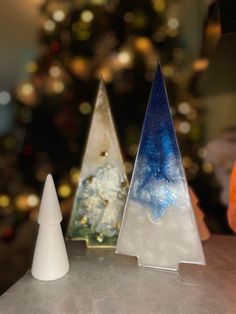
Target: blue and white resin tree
{"points": [[159, 225]]}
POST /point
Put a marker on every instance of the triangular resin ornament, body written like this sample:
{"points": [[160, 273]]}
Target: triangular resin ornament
{"points": [[158, 225], [103, 186]]}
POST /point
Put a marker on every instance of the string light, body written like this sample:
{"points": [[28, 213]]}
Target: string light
{"points": [[64, 190], [49, 26], [5, 98], [128, 17], [200, 64], [202, 152], [187, 161], [128, 166], [143, 44], [74, 175], [207, 167], [59, 15], [173, 23], [32, 200], [213, 30], [21, 203], [168, 70], [79, 66], [55, 71], [159, 5], [87, 16], [31, 67], [26, 93], [105, 72], [192, 115], [58, 86], [184, 108], [184, 127], [4, 200], [27, 89], [124, 58], [85, 107], [98, 2]]}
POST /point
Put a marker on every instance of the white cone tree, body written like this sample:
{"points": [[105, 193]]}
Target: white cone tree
{"points": [[50, 260]]}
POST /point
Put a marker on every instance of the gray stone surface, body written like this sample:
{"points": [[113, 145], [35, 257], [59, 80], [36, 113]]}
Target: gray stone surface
{"points": [[100, 282]]}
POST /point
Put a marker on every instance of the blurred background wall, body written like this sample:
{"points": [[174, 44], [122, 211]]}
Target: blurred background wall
{"points": [[18, 37]]}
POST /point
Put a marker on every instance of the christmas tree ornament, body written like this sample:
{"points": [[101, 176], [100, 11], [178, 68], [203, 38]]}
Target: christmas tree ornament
{"points": [[50, 260], [102, 189], [202, 227], [231, 213], [159, 225]]}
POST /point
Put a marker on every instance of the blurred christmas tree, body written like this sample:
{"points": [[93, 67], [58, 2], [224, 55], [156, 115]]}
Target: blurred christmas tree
{"points": [[81, 40]]}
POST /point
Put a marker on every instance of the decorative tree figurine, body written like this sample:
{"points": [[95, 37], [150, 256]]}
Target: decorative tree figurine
{"points": [[231, 213], [159, 226], [50, 260], [102, 190], [202, 227]]}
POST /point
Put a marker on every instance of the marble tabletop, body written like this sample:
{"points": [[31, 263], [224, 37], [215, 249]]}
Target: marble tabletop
{"points": [[100, 282]]}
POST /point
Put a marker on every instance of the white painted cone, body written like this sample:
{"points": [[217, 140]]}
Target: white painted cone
{"points": [[49, 212], [50, 257], [50, 260]]}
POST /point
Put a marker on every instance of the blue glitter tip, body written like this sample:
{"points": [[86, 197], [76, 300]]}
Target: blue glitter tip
{"points": [[158, 169]]}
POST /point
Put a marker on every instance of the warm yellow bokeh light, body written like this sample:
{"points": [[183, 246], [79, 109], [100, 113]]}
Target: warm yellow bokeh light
{"points": [[4, 200], [85, 107], [32, 200], [59, 15], [64, 190], [74, 175], [87, 16]]}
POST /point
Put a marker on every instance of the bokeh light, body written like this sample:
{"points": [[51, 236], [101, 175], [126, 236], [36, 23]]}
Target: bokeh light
{"points": [[173, 23], [59, 15], [4, 200], [87, 16], [184, 127], [207, 167], [74, 175], [85, 107], [64, 190], [5, 98], [55, 71], [200, 64], [49, 26], [32, 200], [184, 108]]}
